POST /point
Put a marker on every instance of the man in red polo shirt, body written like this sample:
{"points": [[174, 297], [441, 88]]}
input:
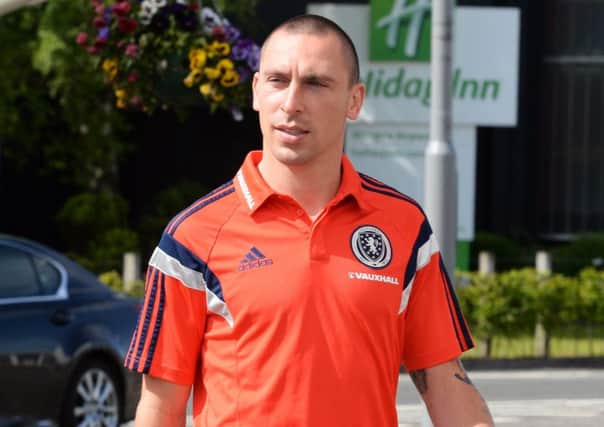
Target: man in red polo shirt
{"points": [[291, 295]]}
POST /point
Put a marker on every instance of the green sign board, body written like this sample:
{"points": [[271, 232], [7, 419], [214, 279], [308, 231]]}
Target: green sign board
{"points": [[400, 30]]}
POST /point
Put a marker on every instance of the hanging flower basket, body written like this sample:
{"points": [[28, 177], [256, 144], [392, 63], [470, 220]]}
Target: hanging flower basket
{"points": [[170, 53]]}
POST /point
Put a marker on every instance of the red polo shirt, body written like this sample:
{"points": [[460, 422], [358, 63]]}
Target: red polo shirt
{"points": [[278, 320]]}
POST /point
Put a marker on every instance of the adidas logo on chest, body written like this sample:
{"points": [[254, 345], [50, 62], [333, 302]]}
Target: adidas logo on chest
{"points": [[254, 258]]}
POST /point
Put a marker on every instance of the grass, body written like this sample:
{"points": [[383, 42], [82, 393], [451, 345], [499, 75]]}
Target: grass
{"points": [[568, 342]]}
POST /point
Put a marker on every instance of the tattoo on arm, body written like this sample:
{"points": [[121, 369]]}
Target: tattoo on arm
{"points": [[419, 379], [462, 376]]}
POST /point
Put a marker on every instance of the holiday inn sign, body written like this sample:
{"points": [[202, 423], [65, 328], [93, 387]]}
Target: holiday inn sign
{"points": [[395, 84], [393, 42], [400, 30]]}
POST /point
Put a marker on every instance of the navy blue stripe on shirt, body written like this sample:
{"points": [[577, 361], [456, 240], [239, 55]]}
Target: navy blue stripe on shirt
{"points": [[176, 250], [423, 236], [157, 326], [132, 345], [465, 341], [392, 193], [146, 319], [209, 198], [372, 184]]}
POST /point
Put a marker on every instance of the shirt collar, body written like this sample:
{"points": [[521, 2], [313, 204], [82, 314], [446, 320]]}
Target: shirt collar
{"points": [[251, 187], [254, 191], [350, 186]]}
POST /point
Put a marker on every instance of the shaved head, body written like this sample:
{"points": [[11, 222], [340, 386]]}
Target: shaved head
{"points": [[319, 25]]}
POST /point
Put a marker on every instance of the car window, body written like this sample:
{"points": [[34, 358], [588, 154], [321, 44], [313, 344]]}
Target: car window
{"points": [[17, 274], [48, 275]]}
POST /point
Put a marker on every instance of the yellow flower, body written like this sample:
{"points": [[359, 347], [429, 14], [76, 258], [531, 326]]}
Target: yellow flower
{"points": [[230, 78], [189, 81], [221, 48], [217, 96], [225, 65], [211, 73], [205, 89], [110, 68], [193, 76], [209, 91], [120, 94], [197, 58]]}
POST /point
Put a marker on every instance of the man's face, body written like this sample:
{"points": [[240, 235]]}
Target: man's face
{"points": [[304, 94]]}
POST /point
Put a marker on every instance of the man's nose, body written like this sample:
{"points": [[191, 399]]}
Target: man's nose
{"points": [[292, 102]]}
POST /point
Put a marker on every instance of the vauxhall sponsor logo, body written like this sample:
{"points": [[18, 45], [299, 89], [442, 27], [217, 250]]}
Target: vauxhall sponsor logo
{"points": [[373, 277]]}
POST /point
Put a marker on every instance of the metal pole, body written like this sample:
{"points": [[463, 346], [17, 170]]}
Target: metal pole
{"points": [[440, 169]]}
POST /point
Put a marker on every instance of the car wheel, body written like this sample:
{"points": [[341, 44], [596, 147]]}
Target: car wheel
{"points": [[93, 398]]}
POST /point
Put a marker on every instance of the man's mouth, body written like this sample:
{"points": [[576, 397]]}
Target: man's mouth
{"points": [[292, 130], [291, 134]]}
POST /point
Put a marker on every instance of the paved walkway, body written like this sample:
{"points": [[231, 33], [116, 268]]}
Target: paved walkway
{"points": [[523, 413]]}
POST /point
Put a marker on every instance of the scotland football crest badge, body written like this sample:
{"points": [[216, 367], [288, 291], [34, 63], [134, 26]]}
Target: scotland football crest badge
{"points": [[371, 246]]}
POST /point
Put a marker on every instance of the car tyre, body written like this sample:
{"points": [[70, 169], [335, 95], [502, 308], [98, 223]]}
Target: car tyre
{"points": [[93, 397]]}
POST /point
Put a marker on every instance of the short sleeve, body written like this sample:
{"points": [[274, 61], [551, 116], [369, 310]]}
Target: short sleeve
{"points": [[168, 337], [433, 329]]}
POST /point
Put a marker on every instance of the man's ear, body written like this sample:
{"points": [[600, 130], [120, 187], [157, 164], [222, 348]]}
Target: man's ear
{"points": [[357, 95], [254, 90]]}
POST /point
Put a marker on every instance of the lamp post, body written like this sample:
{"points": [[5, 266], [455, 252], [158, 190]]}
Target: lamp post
{"points": [[440, 167]]}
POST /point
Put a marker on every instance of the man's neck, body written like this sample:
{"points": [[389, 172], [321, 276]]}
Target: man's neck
{"points": [[312, 186]]}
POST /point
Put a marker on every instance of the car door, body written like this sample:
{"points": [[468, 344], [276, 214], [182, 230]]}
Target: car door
{"points": [[34, 318]]}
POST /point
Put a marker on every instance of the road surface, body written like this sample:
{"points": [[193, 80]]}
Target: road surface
{"points": [[527, 398]]}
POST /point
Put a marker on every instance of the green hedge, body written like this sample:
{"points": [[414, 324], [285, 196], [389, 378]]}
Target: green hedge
{"points": [[511, 303], [114, 281]]}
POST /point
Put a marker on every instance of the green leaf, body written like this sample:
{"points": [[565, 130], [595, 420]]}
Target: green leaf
{"points": [[44, 55]]}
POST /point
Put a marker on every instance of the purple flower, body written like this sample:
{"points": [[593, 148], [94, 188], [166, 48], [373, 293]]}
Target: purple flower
{"points": [[185, 17], [176, 8], [160, 23], [209, 18], [103, 33], [244, 73], [241, 49], [188, 23], [253, 58], [232, 33]]}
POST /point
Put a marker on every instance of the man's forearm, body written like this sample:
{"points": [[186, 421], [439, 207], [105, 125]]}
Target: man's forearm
{"points": [[162, 404], [451, 398], [148, 415]]}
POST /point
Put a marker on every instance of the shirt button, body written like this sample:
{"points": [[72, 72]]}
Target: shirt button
{"points": [[299, 212]]}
